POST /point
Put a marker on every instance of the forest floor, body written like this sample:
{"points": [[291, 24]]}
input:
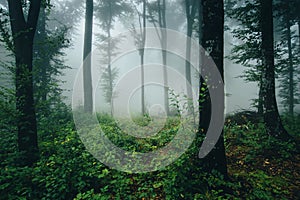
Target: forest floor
{"points": [[261, 166]]}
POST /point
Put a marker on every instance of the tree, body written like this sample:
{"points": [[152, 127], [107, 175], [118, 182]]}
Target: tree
{"points": [[190, 6], [159, 6], [41, 60], [287, 49], [87, 76], [107, 11], [140, 40], [142, 55], [271, 115], [212, 40], [47, 62], [23, 32], [248, 35], [246, 29]]}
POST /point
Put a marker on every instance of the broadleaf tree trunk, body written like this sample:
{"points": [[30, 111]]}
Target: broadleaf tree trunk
{"points": [[271, 115], [212, 38], [87, 76], [190, 7], [23, 32]]}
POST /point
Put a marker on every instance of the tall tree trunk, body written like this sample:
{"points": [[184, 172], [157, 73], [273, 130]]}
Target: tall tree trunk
{"points": [[213, 38], [142, 53], [23, 34], [291, 68], [271, 115], [109, 59], [87, 76], [163, 24], [190, 17]]}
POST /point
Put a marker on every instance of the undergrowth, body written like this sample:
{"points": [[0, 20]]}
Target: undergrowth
{"points": [[259, 167]]}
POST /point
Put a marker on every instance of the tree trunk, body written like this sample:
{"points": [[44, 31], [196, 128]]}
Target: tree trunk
{"points": [[142, 58], [87, 76], [163, 24], [190, 16], [23, 35], [271, 115], [109, 59], [291, 68], [212, 37]]}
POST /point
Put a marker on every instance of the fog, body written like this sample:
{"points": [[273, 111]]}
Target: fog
{"points": [[239, 94]]}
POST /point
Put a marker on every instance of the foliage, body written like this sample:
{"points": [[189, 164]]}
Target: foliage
{"points": [[245, 27], [262, 165], [248, 35], [49, 65], [67, 171], [288, 53], [243, 19]]}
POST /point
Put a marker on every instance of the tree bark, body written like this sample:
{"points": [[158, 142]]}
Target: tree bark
{"points": [[23, 35], [213, 38], [271, 115], [87, 76]]}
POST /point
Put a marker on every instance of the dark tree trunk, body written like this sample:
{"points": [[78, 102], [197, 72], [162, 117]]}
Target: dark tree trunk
{"points": [[190, 17], [271, 115], [23, 34], [212, 38], [87, 76]]}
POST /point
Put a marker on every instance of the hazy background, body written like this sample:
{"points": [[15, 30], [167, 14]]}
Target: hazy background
{"points": [[239, 93]]}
